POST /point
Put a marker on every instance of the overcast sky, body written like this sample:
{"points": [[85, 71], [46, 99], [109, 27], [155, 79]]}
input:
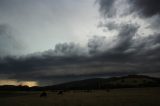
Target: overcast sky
{"points": [[52, 41]]}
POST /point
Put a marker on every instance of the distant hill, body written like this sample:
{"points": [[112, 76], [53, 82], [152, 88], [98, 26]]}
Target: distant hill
{"points": [[105, 83], [130, 81]]}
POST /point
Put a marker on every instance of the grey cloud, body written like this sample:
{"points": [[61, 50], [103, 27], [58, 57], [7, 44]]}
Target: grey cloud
{"points": [[126, 34], [125, 42], [107, 7], [9, 45], [69, 49], [96, 44], [109, 25], [113, 8], [155, 25]]}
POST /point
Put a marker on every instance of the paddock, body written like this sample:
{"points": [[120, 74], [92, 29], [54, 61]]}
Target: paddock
{"points": [[115, 97]]}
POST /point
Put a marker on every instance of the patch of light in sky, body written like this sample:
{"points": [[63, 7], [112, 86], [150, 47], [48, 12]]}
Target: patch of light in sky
{"points": [[15, 82]]}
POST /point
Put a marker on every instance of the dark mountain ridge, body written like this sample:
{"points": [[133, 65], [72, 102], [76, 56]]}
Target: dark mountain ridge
{"points": [[105, 83], [130, 81]]}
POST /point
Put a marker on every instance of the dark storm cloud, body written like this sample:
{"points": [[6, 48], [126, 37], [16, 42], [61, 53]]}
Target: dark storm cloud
{"points": [[127, 54], [69, 61], [124, 42], [125, 37], [37, 65], [146, 8]]}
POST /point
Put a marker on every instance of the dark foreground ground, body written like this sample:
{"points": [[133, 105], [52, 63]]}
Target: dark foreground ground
{"points": [[115, 97]]}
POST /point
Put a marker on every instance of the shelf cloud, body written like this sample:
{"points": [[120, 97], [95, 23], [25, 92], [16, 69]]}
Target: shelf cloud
{"points": [[134, 48]]}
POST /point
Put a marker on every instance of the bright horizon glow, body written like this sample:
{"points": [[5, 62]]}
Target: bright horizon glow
{"points": [[15, 82]]}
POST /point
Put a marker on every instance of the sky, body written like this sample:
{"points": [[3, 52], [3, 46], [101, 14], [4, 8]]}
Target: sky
{"points": [[45, 42]]}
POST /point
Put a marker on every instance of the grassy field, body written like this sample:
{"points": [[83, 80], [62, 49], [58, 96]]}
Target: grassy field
{"points": [[116, 97]]}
